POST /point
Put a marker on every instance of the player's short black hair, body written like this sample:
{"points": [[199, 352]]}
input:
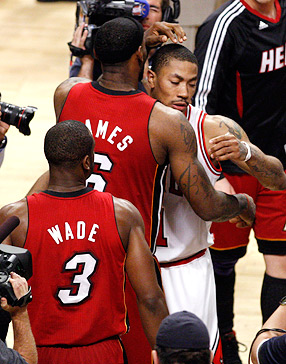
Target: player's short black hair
{"points": [[167, 52], [184, 356], [116, 40], [67, 143]]}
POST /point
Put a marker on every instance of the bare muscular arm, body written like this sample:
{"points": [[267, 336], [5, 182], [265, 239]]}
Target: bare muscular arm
{"points": [[140, 268], [171, 135], [225, 137]]}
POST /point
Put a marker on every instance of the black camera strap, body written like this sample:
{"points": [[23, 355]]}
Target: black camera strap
{"points": [[76, 51], [23, 301]]}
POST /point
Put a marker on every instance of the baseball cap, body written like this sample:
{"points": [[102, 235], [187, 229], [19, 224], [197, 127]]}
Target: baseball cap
{"points": [[183, 330]]}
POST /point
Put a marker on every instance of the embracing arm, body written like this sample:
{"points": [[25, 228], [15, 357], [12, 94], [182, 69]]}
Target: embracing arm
{"points": [[140, 268], [228, 141], [180, 146]]}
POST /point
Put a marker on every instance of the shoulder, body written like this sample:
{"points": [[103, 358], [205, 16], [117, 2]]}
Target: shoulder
{"points": [[216, 125], [66, 85], [162, 114], [126, 212], [12, 209], [128, 219]]}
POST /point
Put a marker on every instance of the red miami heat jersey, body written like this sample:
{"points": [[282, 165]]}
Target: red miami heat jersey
{"points": [[78, 268], [124, 163]]}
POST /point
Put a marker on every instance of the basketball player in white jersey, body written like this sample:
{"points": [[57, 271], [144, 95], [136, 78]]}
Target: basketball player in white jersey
{"points": [[184, 238]]}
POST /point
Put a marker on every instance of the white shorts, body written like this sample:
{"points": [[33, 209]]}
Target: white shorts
{"points": [[191, 286]]}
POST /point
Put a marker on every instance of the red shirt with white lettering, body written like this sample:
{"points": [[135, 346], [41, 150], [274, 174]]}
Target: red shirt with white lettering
{"points": [[78, 268], [124, 162]]}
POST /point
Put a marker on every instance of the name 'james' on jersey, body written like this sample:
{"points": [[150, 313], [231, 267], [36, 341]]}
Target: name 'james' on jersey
{"points": [[124, 162]]}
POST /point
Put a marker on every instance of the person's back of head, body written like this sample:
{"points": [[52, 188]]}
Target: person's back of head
{"points": [[171, 51], [117, 40], [67, 143], [182, 339]]}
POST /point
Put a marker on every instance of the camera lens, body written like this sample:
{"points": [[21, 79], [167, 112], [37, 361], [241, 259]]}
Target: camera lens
{"points": [[18, 116]]}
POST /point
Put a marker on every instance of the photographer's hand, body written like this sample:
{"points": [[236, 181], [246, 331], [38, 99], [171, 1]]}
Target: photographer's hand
{"points": [[160, 32], [24, 342], [3, 128], [79, 36], [20, 287], [87, 62]]}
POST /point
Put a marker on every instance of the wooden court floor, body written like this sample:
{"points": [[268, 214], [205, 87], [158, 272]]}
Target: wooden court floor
{"points": [[34, 60]]}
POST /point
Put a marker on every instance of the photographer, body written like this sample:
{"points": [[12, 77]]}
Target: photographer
{"points": [[24, 344], [3, 139], [88, 67]]}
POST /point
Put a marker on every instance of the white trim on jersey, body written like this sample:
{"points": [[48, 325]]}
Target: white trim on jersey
{"points": [[213, 51]]}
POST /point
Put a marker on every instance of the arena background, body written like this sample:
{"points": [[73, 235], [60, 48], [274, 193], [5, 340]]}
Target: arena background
{"points": [[34, 60]]}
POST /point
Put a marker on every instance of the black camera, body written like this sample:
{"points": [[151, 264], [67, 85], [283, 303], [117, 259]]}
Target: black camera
{"points": [[18, 116], [97, 12], [17, 260]]}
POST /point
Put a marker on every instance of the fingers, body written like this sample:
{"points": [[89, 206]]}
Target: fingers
{"points": [[226, 147], [175, 32], [80, 36], [3, 129], [239, 223], [4, 303], [160, 32], [19, 284]]}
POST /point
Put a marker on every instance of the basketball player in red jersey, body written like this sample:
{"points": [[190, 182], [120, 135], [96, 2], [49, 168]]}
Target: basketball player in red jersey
{"points": [[82, 242], [136, 137]]}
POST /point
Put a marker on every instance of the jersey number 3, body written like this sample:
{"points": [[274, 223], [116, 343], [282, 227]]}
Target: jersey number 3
{"points": [[80, 284]]}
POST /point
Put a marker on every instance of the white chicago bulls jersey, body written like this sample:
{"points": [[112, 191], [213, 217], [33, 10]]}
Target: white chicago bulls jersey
{"points": [[183, 233]]}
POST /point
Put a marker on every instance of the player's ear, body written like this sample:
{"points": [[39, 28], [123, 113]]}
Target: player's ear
{"points": [[140, 53], [151, 77], [87, 163]]}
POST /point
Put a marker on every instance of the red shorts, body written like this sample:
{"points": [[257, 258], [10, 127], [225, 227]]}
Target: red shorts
{"points": [[108, 351], [270, 222]]}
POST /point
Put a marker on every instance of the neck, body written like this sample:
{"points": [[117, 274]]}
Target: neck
{"points": [[66, 181], [119, 77], [267, 8]]}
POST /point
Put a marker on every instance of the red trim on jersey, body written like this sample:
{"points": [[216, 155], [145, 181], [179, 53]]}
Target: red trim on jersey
{"points": [[184, 261], [202, 140], [255, 12], [239, 98]]}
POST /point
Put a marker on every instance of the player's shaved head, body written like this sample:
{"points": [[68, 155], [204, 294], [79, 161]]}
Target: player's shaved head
{"points": [[67, 143]]}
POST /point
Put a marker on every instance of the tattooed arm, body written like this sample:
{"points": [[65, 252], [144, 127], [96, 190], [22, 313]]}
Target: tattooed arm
{"points": [[227, 140], [173, 139]]}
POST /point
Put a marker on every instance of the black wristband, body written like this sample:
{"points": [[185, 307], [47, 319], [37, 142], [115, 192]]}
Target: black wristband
{"points": [[77, 52], [23, 301]]}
